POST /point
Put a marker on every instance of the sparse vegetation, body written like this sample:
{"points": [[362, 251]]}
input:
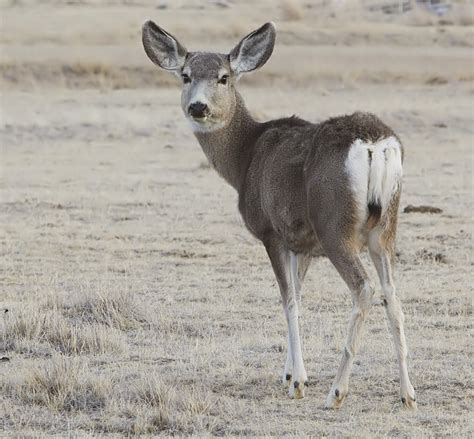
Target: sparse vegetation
{"points": [[118, 310], [139, 305], [89, 325], [60, 384], [27, 331], [160, 407]]}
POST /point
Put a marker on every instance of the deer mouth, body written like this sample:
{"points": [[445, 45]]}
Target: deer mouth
{"points": [[200, 119]]}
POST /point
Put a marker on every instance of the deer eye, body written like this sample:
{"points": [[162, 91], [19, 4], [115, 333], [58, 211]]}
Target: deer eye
{"points": [[186, 78], [223, 79]]}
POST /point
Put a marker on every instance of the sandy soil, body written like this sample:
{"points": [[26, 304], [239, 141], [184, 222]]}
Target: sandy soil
{"points": [[135, 302]]}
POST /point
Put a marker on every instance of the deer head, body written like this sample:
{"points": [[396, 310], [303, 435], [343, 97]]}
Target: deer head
{"points": [[208, 79]]}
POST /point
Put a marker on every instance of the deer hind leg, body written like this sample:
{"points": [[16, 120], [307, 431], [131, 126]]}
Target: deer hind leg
{"points": [[285, 268], [339, 235], [381, 249], [303, 262], [350, 268]]}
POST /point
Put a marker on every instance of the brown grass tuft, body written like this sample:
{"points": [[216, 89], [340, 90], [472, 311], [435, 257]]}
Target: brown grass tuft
{"points": [[158, 407], [50, 328], [114, 309], [61, 384]]}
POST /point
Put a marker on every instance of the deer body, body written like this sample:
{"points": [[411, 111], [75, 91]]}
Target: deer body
{"points": [[304, 189]]}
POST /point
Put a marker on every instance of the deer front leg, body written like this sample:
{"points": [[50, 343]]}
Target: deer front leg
{"points": [[285, 268]]}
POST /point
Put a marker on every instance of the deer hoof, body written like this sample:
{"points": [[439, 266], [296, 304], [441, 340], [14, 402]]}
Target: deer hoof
{"points": [[335, 398], [409, 402], [297, 389]]}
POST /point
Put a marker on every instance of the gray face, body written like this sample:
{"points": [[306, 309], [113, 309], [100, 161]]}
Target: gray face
{"points": [[208, 98], [208, 93]]}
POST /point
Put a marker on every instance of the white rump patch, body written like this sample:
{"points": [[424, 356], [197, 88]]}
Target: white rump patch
{"points": [[375, 172]]}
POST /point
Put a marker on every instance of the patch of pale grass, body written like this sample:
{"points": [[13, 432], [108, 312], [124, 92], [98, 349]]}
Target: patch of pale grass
{"points": [[88, 75], [60, 384], [33, 326], [167, 324], [291, 10], [158, 407], [116, 309]]}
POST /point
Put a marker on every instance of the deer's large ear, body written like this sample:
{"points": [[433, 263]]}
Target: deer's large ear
{"points": [[162, 48], [254, 50]]}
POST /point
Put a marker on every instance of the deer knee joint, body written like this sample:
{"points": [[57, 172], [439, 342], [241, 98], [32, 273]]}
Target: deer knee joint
{"points": [[368, 290], [362, 299]]}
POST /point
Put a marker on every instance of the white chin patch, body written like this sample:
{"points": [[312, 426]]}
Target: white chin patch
{"points": [[204, 125]]}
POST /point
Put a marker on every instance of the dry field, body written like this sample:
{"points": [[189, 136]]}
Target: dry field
{"points": [[135, 302]]}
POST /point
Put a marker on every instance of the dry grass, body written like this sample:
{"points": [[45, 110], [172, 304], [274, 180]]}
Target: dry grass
{"points": [[140, 306], [60, 384], [292, 10], [70, 324], [138, 404], [118, 309], [81, 75], [322, 66], [158, 407], [36, 331]]}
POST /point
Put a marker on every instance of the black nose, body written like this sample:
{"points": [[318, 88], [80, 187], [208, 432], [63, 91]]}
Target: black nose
{"points": [[198, 109]]}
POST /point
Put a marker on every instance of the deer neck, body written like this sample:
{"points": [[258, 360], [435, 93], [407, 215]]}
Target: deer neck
{"points": [[229, 149]]}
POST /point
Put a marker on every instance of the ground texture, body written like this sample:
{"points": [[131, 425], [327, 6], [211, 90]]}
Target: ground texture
{"points": [[135, 302]]}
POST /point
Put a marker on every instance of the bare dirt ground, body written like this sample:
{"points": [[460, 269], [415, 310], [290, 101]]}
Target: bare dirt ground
{"points": [[135, 302]]}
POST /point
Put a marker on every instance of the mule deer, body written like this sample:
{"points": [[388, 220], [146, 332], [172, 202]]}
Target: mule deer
{"points": [[304, 189]]}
